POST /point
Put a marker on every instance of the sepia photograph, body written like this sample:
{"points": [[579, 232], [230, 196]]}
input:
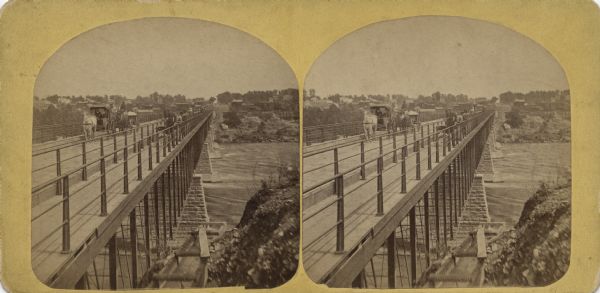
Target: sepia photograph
{"points": [[436, 154], [165, 155]]}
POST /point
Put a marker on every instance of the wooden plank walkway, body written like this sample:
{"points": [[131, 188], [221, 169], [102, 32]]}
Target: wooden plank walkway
{"points": [[84, 205], [319, 240]]}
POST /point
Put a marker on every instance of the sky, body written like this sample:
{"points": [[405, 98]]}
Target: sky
{"points": [[168, 55], [422, 55]]}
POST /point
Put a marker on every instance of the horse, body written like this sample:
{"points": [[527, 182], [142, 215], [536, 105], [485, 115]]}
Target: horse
{"points": [[369, 124], [89, 126]]}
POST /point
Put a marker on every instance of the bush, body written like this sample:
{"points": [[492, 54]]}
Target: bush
{"points": [[231, 119], [514, 119]]}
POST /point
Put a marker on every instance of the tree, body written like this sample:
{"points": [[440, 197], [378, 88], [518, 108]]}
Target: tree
{"points": [[514, 119], [231, 119]]}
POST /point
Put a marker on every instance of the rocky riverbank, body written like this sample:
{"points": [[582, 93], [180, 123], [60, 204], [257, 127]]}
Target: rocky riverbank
{"points": [[536, 129], [263, 250], [536, 251], [266, 128]]}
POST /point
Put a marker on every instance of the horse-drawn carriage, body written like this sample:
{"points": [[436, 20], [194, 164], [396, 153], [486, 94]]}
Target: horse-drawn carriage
{"points": [[103, 116], [384, 115]]}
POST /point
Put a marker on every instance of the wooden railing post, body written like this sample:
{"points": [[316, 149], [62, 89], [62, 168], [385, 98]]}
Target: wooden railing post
{"points": [[395, 154], [103, 206], [429, 152], [403, 168], [339, 182], [380, 186], [66, 218], [413, 247], [58, 173], [83, 162], [115, 159], [125, 167], [418, 160], [363, 174]]}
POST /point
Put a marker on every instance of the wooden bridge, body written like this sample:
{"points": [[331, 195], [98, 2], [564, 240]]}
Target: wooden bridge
{"points": [[104, 210], [391, 204]]}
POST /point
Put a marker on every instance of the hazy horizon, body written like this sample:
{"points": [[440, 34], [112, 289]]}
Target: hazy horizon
{"points": [[167, 55], [425, 54]]}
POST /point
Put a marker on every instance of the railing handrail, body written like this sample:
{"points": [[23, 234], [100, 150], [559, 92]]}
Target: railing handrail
{"points": [[50, 149], [320, 151], [106, 155]]}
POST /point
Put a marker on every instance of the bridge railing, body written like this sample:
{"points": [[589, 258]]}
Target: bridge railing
{"points": [[435, 144], [130, 161], [327, 132]]}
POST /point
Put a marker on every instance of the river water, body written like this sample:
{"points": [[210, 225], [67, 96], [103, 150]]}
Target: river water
{"points": [[519, 170], [240, 170]]}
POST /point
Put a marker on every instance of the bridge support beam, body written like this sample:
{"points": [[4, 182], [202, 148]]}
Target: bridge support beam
{"points": [[391, 260]]}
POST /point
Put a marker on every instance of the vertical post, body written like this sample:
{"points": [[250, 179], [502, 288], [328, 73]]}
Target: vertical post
{"points": [[403, 169], [437, 147], [380, 186], [83, 162], [381, 145], [413, 248], [418, 160], [66, 226], [395, 155], [391, 260], [455, 193], [164, 208], [436, 196], [406, 136], [422, 136], [444, 209], [427, 235], [147, 229], [414, 138], [428, 152], [141, 147], [112, 262], [340, 214], [164, 136], [444, 145], [135, 139], [125, 167], [363, 174], [450, 197], [58, 173], [115, 159], [139, 160], [156, 218], [103, 206], [170, 199], [133, 246], [157, 139], [336, 166], [149, 152]]}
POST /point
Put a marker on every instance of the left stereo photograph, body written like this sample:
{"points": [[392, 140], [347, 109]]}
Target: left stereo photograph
{"points": [[165, 155]]}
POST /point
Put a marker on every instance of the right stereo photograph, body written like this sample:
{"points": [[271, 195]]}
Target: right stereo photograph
{"points": [[436, 153]]}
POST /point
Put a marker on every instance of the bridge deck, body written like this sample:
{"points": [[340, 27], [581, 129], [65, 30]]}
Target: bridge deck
{"points": [[360, 203], [84, 201]]}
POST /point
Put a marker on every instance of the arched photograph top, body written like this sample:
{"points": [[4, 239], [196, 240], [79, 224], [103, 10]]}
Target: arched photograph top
{"points": [[438, 149], [165, 155]]}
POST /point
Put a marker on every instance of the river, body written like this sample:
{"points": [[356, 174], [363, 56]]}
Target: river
{"points": [[239, 171], [519, 170]]}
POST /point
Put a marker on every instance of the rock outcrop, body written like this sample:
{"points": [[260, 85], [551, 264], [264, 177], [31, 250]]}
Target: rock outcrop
{"points": [[262, 251], [537, 251]]}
